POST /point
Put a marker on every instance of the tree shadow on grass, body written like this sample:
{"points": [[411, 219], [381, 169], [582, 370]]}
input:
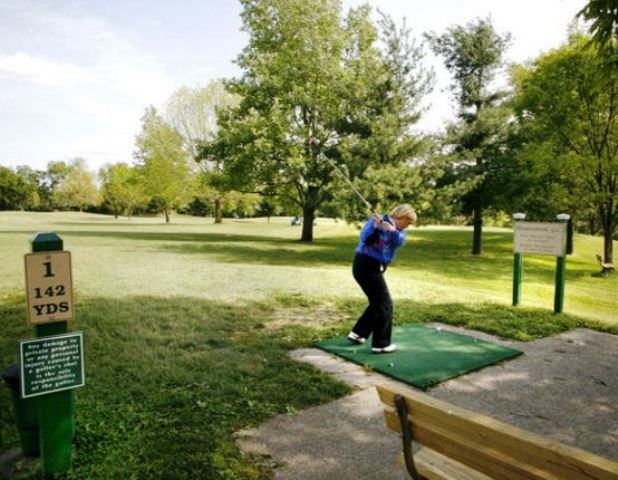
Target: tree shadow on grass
{"points": [[238, 248], [169, 380], [441, 251], [448, 251], [161, 236]]}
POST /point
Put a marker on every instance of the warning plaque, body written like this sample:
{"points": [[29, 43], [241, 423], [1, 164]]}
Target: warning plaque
{"points": [[540, 238], [51, 364], [49, 287]]}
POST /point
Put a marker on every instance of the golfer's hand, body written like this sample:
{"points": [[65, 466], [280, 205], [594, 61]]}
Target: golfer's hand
{"points": [[388, 227]]}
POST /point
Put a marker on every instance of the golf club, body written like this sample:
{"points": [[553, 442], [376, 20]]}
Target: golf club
{"points": [[313, 142]]}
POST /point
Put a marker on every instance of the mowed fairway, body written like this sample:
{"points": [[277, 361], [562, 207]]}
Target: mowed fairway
{"points": [[187, 325], [243, 260]]}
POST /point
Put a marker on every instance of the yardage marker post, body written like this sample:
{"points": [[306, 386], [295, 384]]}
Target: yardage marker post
{"points": [[56, 425]]}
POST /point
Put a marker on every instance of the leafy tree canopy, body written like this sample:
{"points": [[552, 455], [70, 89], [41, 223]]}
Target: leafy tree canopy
{"points": [[122, 188], [309, 75], [473, 53], [603, 15], [163, 163], [77, 188], [567, 103]]}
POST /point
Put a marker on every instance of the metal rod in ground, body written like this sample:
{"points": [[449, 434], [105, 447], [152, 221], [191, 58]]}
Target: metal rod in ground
{"points": [[349, 182]]}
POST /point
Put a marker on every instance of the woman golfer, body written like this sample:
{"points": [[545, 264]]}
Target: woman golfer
{"points": [[379, 239]]}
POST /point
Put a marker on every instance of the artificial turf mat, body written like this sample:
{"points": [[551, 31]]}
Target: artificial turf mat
{"points": [[425, 356]]}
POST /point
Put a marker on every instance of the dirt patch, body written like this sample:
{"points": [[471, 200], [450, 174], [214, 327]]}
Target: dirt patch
{"points": [[310, 316]]}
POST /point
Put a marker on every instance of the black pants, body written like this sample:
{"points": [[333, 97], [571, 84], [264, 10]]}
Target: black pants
{"points": [[378, 316]]}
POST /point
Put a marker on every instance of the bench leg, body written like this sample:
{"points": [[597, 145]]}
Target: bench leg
{"points": [[406, 437]]}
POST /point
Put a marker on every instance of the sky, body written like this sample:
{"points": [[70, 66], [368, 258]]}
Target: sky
{"points": [[77, 75]]}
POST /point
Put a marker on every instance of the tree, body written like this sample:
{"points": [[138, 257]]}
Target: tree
{"points": [[30, 181], [213, 186], [193, 113], [568, 104], [309, 76], [122, 188], [49, 180], [604, 26], [242, 204], [473, 54], [13, 190], [77, 189], [163, 163], [269, 206]]}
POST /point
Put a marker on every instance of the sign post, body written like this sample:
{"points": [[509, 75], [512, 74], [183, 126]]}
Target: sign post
{"points": [[517, 267], [560, 269], [542, 238], [49, 291]]}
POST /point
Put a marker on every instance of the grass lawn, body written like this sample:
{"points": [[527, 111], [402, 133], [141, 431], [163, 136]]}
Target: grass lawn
{"points": [[187, 326]]}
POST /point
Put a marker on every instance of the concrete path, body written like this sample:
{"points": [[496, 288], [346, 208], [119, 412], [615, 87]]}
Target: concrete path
{"points": [[563, 387]]}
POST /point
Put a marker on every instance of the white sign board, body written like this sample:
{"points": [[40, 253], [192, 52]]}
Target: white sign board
{"points": [[540, 238]]}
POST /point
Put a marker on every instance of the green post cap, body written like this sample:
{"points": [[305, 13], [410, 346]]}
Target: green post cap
{"points": [[46, 242]]}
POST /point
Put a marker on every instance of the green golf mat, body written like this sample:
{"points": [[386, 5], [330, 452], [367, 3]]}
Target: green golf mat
{"points": [[425, 356]]}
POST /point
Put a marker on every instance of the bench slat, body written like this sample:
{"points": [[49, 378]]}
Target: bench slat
{"points": [[506, 449], [435, 466], [480, 457]]}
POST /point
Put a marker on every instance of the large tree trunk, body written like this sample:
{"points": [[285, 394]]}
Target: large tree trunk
{"points": [[477, 236], [219, 209], [309, 209], [608, 248], [609, 228], [167, 214], [308, 218], [606, 214]]}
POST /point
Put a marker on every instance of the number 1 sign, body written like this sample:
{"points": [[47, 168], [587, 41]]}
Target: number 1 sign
{"points": [[49, 287]]}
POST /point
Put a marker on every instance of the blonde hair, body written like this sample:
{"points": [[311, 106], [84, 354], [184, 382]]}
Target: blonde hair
{"points": [[404, 210]]}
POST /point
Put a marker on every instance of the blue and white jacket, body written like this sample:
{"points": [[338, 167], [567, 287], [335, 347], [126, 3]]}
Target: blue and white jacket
{"points": [[378, 243]]}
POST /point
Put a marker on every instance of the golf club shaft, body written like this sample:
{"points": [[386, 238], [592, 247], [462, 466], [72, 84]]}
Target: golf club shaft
{"points": [[349, 182]]}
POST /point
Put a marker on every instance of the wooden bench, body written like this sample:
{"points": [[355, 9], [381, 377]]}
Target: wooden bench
{"points": [[451, 443], [605, 267]]}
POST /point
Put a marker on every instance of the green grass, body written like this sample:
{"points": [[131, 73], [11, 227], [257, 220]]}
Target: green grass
{"points": [[187, 326]]}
